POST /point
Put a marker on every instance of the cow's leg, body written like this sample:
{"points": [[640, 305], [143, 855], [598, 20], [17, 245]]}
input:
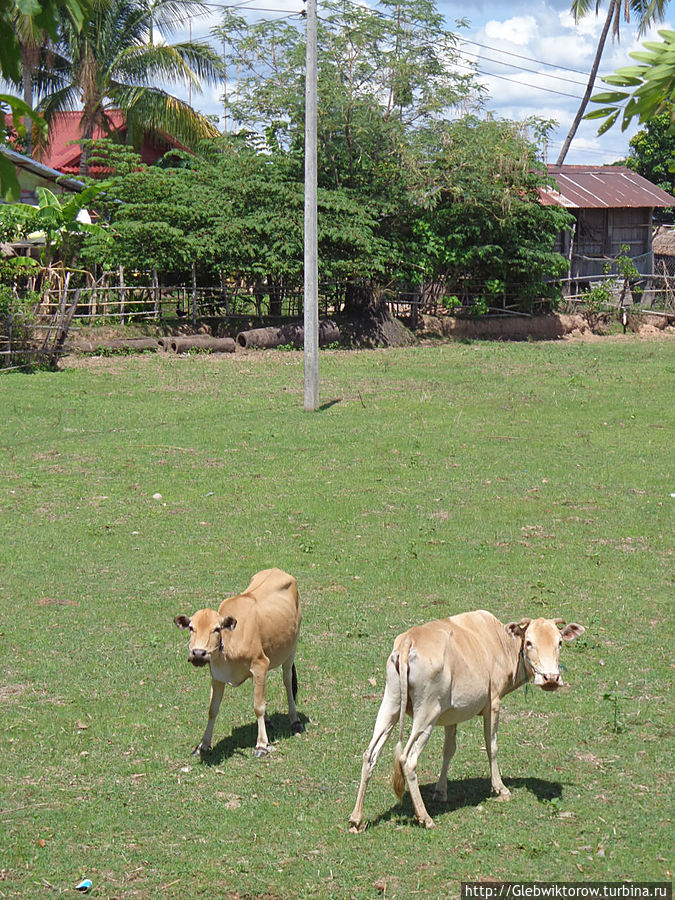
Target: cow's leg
{"points": [[449, 747], [490, 726], [291, 684], [217, 688], [387, 717], [413, 749], [259, 669]]}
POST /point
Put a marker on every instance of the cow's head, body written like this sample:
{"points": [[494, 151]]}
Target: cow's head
{"points": [[541, 640], [206, 629]]}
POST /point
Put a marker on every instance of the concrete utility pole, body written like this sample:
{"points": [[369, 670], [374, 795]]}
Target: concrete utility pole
{"points": [[311, 304]]}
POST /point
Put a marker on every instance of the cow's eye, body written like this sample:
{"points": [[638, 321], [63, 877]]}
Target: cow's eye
{"points": [[529, 645], [190, 627], [216, 630]]}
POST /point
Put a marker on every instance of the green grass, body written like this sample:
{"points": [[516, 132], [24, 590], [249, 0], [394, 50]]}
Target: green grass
{"points": [[528, 479]]}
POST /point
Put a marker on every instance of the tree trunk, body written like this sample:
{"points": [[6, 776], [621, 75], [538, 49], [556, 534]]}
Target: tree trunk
{"points": [[276, 293], [589, 86], [27, 64], [364, 300]]}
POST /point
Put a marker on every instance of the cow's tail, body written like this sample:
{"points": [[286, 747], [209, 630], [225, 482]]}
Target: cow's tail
{"points": [[399, 777]]}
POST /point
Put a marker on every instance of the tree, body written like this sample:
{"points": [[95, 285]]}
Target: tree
{"points": [[111, 61], [479, 232], [227, 209], [647, 11], [384, 75], [653, 151], [45, 16], [55, 219]]}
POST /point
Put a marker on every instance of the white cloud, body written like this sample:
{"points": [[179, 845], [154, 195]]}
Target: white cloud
{"points": [[519, 30]]}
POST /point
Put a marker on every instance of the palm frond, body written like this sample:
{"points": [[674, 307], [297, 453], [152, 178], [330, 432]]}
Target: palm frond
{"points": [[151, 109]]}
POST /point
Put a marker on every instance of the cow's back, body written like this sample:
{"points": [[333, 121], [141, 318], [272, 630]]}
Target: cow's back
{"points": [[464, 656], [271, 606]]}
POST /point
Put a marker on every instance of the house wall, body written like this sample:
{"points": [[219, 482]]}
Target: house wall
{"points": [[600, 234], [29, 181]]}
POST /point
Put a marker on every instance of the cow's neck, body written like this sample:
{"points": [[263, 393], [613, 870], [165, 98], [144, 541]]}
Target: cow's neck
{"points": [[520, 674]]}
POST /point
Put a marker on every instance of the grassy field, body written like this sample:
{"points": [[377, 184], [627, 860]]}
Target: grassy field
{"points": [[527, 479]]}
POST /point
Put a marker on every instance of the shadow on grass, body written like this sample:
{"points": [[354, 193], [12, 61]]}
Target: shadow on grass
{"points": [[469, 792], [242, 740]]}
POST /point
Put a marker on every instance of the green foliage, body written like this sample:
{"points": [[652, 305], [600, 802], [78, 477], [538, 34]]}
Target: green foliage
{"points": [[55, 220], [112, 61], [45, 16], [9, 184], [229, 209], [653, 150], [646, 89], [478, 226], [17, 302]]}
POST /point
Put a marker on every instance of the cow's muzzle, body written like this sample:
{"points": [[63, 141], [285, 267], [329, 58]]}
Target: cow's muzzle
{"points": [[198, 657], [551, 682]]}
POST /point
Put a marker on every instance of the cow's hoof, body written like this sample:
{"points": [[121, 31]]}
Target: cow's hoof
{"points": [[356, 829], [259, 752], [504, 795], [297, 727], [200, 750], [428, 823]]}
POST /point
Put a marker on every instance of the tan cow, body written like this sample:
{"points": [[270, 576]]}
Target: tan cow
{"points": [[448, 671], [248, 635]]}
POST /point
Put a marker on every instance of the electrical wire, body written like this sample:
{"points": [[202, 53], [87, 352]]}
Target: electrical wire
{"points": [[527, 58], [535, 87]]}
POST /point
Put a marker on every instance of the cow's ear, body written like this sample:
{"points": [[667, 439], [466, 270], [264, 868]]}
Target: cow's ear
{"points": [[518, 629], [182, 621], [572, 631], [229, 623]]}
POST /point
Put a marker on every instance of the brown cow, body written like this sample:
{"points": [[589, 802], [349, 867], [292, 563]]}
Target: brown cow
{"points": [[448, 671], [248, 635]]}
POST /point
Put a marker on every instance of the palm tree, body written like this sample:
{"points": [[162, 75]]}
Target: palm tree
{"points": [[114, 61], [647, 12]]}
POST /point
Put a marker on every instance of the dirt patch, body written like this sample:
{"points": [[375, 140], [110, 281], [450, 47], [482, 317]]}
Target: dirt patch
{"points": [[555, 326], [9, 692]]}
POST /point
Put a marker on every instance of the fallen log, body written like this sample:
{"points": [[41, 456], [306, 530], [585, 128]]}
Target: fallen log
{"points": [[278, 336], [202, 342]]}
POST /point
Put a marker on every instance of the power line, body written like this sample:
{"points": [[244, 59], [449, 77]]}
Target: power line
{"points": [[524, 69], [535, 87], [527, 58]]}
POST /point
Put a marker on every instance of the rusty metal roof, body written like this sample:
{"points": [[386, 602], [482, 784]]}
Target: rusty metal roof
{"points": [[586, 187]]}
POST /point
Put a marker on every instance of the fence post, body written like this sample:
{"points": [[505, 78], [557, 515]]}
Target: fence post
{"points": [[122, 294], [194, 294], [155, 293], [223, 288]]}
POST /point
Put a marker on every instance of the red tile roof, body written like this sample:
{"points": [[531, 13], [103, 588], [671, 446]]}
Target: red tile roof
{"points": [[64, 155], [61, 153]]}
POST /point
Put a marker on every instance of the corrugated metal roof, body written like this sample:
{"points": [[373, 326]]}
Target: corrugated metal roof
{"points": [[43, 171], [600, 187]]}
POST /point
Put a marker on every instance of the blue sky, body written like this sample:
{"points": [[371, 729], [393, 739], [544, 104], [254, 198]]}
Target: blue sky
{"points": [[532, 58]]}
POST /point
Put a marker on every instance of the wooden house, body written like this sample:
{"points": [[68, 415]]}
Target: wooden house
{"points": [[612, 207]]}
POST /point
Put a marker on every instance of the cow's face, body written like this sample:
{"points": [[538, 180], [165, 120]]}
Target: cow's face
{"points": [[206, 629], [541, 643]]}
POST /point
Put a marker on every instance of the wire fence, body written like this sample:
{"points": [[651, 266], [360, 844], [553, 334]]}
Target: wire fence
{"points": [[62, 306]]}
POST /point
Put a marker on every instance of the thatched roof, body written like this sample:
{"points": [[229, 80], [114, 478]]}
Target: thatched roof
{"points": [[663, 242]]}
